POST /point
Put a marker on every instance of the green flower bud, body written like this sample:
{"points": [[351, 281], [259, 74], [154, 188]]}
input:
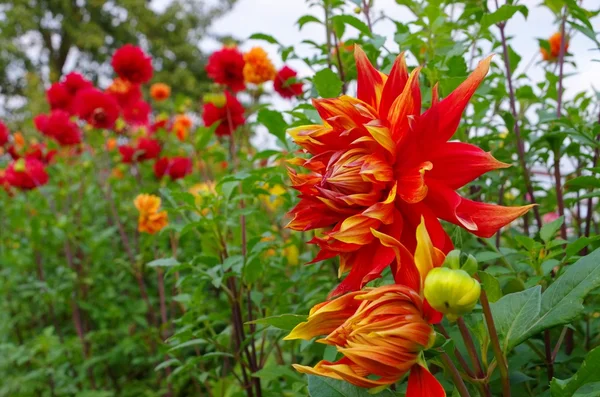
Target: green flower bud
{"points": [[452, 292]]}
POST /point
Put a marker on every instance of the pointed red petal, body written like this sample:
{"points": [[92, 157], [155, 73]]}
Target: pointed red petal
{"points": [[422, 384], [449, 111], [456, 164], [370, 81], [407, 104], [394, 85], [411, 183], [481, 219]]}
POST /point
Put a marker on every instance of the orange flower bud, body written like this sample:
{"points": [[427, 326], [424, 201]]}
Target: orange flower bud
{"points": [[151, 220], [160, 92]]}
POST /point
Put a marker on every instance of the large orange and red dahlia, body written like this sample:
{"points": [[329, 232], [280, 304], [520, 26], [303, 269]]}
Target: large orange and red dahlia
{"points": [[378, 165]]}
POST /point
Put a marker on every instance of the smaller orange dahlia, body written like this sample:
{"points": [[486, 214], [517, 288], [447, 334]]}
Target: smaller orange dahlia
{"points": [[555, 43], [151, 220], [258, 68], [160, 91]]}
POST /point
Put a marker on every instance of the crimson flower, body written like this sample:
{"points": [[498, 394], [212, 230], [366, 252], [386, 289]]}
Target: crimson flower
{"points": [[145, 149], [132, 64], [26, 174], [125, 92], [284, 83], [137, 113], [75, 82], [97, 108], [174, 167], [58, 126], [4, 134], [229, 116], [59, 97], [226, 67], [378, 165]]}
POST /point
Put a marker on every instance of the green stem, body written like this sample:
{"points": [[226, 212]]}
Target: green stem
{"points": [[458, 382]]}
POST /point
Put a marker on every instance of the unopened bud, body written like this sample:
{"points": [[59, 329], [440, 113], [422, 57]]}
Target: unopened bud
{"points": [[219, 100], [357, 10], [451, 292], [20, 165]]}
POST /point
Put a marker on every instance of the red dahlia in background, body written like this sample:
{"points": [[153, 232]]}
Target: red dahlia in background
{"points": [[4, 134], [175, 167], [137, 113], [97, 108], [226, 67], [26, 174], [145, 149], [75, 82], [58, 126], [285, 83], [58, 97], [229, 116], [125, 92], [132, 64]]}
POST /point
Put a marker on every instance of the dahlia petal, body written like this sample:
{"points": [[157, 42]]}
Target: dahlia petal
{"points": [[382, 135], [425, 256], [412, 187], [481, 219], [355, 230], [412, 214], [406, 272], [408, 103], [449, 111], [457, 163], [435, 95], [394, 85], [421, 383], [309, 215], [384, 211], [370, 81]]}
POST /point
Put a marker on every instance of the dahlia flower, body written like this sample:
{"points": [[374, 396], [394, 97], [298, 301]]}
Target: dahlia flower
{"points": [[97, 108], [58, 126], [381, 331], [132, 64], [125, 92], [151, 220], [226, 67], [378, 165], [555, 42], [284, 83], [230, 116], [174, 167], [160, 91], [258, 68], [26, 173], [4, 134]]}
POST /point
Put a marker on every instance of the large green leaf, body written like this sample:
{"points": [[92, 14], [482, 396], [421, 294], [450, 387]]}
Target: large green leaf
{"points": [[521, 315], [503, 14], [327, 83], [326, 387], [274, 122], [588, 372]]}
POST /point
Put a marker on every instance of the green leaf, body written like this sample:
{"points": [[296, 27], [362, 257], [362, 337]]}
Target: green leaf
{"points": [[163, 262], [319, 386], [588, 372], [167, 363], [286, 322], [513, 58], [304, 19], [354, 22], [265, 37], [491, 286], [502, 14], [327, 83], [524, 314], [193, 342], [274, 122], [583, 182], [549, 229]]}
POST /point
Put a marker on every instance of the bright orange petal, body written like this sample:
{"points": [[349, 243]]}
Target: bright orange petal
{"points": [[406, 105], [411, 183], [394, 85], [422, 384]]}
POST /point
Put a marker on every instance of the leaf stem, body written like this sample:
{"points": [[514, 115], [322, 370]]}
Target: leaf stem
{"points": [[458, 382]]}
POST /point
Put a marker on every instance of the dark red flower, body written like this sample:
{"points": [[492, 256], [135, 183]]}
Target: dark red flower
{"points": [[284, 83], [26, 174], [127, 153], [175, 167], [58, 126], [125, 92], [230, 116], [226, 67], [132, 64], [158, 125], [75, 82], [137, 113], [97, 108], [4, 134], [148, 149], [59, 97]]}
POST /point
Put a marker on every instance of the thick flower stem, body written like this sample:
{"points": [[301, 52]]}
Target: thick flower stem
{"points": [[470, 345], [458, 382], [500, 359], [557, 176], [457, 353], [516, 126]]}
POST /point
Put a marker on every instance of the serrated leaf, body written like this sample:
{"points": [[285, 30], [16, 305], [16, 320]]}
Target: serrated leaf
{"points": [[286, 322], [354, 22], [163, 262], [491, 286], [502, 14], [588, 372], [327, 83], [548, 231], [524, 314], [264, 37], [319, 386]]}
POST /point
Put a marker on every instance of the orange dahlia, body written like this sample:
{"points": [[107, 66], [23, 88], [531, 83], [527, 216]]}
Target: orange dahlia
{"points": [[381, 331], [151, 220], [258, 68], [378, 165], [160, 91], [555, 42]]}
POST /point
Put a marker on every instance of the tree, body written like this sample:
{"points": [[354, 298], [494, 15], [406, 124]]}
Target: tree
{"points": [[51, 37]]}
